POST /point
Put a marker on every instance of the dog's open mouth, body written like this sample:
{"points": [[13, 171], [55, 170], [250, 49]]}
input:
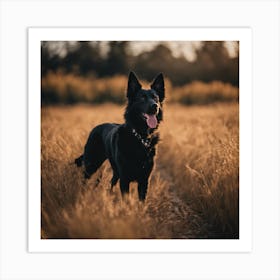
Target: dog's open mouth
{"points": [[151, 120]]}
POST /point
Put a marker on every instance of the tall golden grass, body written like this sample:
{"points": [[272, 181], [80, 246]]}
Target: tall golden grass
{"points": [[69, 88], [194, 188]]}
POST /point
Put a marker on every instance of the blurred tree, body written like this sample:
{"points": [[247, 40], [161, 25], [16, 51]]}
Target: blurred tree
{"points": [[117, 58], [49, 61], [161, 59], [83, 58], [214, 63]]}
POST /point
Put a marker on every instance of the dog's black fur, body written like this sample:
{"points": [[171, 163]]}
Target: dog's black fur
{"points": [[130, 147]]}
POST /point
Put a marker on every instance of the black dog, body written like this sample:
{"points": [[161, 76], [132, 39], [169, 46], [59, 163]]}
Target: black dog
{"points": [[130, 147]]}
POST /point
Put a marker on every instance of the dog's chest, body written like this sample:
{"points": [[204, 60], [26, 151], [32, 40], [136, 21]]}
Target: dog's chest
{"points": [[137, 159], [138, 168]]}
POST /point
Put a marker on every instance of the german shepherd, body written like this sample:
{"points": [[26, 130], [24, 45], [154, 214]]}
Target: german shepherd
{"points": [[129, 147]]}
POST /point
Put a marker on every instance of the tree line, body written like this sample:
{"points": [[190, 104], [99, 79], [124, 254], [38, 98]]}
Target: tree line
{"points": [[85, 58]]}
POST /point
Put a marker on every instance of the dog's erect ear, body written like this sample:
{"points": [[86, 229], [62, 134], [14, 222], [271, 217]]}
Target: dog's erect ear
{"points": [[133, 85], [158, 86]]}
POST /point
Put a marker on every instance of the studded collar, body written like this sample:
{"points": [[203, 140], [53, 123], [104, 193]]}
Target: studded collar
{"points": [[146, 142]]}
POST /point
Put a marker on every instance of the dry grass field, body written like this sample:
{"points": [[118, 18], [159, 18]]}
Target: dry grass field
{"points": [[194, 188]]}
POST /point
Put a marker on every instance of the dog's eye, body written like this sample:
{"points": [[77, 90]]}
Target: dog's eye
{"points": [[155, 97]]}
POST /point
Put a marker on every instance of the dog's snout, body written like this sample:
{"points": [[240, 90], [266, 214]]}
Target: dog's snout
{"points": [[154, 108]]}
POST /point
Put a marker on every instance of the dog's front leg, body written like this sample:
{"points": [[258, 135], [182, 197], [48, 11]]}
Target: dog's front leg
{"points": [[124, 184], [142, 190]]}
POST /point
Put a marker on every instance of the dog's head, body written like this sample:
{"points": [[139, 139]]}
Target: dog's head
{"points": [[144, 109]]}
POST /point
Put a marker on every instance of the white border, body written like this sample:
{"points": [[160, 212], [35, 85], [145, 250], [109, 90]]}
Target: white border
{"points": [[263, 16], [36, 35]]}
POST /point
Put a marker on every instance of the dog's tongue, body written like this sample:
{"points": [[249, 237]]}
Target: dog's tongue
{"points": [[151, 120]]}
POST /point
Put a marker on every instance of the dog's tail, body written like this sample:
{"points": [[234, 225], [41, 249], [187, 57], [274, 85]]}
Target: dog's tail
{"points": [[79, 161]]}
